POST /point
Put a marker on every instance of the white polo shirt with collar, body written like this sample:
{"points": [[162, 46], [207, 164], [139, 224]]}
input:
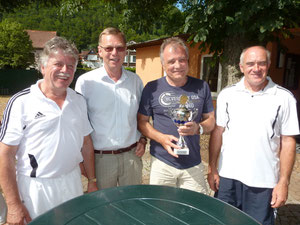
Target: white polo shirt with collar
{"points": [[253, 125], [49, 139], [112, 107]]}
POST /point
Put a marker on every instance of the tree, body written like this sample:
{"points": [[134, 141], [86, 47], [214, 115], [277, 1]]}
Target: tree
{"points": [[228, 26], [16, 49]]}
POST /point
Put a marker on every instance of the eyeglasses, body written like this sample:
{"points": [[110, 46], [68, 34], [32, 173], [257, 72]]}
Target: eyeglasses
{"points": [[110, 49]]}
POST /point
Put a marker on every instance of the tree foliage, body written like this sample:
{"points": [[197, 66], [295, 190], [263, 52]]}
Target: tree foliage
{"points": [[16, 49], [82, 20], [228, 26]]}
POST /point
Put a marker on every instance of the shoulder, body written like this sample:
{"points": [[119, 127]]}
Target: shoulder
{"points": [[75, 96], [132, 75], [20, 97], [284, 92], [89, 75]]}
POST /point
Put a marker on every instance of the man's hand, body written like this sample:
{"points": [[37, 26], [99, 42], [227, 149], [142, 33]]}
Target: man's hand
{"points": [[17, 214], [167, 142], [189, 128], [92, 186], [279, 194], [213, 179], [140, 148]]}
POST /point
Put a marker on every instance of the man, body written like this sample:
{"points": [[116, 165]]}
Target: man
{"points": [[256, 124], [158, 98], [113, 95], [44, 128]]}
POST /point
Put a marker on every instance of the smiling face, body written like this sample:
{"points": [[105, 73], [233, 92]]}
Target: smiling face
{"points": [[255, 67], [58, 72], [112, 50], [175, 64]]}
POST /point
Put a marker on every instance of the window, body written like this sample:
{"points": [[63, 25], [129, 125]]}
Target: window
{"points": [[132, 58], [126, 59], [211, 73]]}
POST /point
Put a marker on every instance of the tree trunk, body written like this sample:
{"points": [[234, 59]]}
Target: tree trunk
{"points": [[231, 57]]}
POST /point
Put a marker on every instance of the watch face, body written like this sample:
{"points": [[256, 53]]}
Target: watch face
{"points": [[200, 129]]}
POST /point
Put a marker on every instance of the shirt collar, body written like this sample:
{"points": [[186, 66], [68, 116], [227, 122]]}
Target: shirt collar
{"points": [[269, 89], [104, 76]]}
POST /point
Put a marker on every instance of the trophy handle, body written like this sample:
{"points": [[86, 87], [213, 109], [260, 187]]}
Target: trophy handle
{"points": [[193, 114]]}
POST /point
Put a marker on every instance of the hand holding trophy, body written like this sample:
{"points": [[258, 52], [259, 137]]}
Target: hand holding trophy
{"points": [[180, 116]]}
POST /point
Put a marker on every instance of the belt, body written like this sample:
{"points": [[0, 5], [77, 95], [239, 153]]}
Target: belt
{"points": [[118, 151]]}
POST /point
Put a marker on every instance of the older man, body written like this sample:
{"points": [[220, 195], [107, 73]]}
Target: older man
{"points": [[159, 97], [45, 127], [256, 124], [113, 95]]}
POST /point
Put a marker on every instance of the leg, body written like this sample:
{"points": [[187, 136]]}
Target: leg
{"points": [[42, 194], [256, 203], [131, 167], [106, 168], [230, 192], [193, 179], [162, 174]]}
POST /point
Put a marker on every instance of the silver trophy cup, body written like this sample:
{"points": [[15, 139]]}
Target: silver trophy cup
{"points": [[180, 116]]}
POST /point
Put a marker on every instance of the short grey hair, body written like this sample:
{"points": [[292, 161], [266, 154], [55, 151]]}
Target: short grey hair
{"points": [[55, 44], [259, 46], [173, 41]]}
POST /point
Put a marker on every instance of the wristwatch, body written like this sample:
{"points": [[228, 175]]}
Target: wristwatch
{"points": [[200, 129]]}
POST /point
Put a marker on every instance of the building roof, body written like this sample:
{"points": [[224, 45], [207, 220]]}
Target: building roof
{"points": [[153, 42], [39, 37]]}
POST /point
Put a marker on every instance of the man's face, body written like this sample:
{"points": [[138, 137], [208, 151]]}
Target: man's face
{"points": [[175, 63], [112, 50], [255, 67], [59, 71]]}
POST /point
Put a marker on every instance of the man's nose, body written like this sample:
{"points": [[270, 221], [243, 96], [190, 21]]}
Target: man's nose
{"points": [[64, 68]]}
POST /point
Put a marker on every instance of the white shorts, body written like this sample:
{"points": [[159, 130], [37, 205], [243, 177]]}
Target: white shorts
{"points": [[3, 210], [42, 194], [191, 178]]}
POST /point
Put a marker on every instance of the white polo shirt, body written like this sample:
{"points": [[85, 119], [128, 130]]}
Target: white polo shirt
{"points": [[253, 125], [112, 107], [49, 138]]}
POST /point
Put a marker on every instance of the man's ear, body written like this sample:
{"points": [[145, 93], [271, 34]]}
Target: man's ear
{"points": [[99, 51], [241, 68]]}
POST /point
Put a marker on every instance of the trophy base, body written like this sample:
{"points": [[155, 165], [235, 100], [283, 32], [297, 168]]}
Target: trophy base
{"points": [[182, 151]]}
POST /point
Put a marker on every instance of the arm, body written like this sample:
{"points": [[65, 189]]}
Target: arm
{"points": [[16, 211], [192, 128], [89, 162], [215, 144], [164, 139], [287, 159]]}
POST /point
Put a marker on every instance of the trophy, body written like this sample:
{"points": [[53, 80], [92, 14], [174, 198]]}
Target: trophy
{"points": [[180, 116]]}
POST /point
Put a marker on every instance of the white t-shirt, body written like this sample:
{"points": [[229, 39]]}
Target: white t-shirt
{"points": [[253, 125], [112, 107], [49, 138]]}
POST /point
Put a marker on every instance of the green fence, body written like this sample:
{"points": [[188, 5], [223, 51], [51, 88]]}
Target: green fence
{"points": [[15, 80]]}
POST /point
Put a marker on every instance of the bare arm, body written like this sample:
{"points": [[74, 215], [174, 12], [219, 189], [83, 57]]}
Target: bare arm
{"points": [[215, 144], [287, 159], [164, 139], [89, 162], [16, 211]]}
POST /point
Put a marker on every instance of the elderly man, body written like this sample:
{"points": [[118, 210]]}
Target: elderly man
{"points": [[44, 128], [256, 124], [113, 95], [159, 97]]}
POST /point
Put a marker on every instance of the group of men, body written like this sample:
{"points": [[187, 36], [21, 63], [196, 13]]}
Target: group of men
{"points": [[48, 130]]}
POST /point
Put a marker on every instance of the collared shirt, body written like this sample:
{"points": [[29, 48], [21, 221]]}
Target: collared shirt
{"points": [[49, 138], [112, 107], [254, 123]]}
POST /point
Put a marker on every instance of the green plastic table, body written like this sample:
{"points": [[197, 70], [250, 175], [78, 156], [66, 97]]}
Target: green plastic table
{"points": [[144, 204]]}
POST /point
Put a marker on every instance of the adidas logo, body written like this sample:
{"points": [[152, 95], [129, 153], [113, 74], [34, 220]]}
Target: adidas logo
{"points": [[39, 115]]}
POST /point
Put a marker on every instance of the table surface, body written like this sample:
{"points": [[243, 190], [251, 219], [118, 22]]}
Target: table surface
{"points": [[144, 204]]}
